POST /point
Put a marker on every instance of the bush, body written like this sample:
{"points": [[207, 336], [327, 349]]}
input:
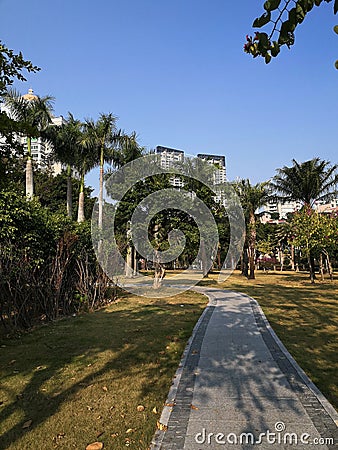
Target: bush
{"points": [[47, 264]]}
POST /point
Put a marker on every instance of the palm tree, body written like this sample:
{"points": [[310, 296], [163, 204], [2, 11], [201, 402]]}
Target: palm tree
{"points": [[85, 161], [102, 136], [306, 182], [34, 115], [66, 140], [252, 198], [129, 149]]}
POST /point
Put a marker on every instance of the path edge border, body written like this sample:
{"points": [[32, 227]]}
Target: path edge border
{"points": [[320, 396], [158, 437]]}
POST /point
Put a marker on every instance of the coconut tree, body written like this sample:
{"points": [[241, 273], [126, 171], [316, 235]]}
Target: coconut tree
{"points": [[66, 140], [85, 161], [34, 115], [306, 182], [252, 198], [102, 137], [129, 149]]}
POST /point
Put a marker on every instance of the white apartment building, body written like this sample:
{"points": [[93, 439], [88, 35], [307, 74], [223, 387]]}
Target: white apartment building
{"points": [[168, 158], [219, 162], [41, 151], [282, 208], [327, 208]]}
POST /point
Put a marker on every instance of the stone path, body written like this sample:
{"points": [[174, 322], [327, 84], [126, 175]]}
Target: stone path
{"points": [[238, 388]]}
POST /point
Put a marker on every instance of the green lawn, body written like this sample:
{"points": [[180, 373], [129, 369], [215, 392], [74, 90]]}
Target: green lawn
{"points": [[81, 379]]}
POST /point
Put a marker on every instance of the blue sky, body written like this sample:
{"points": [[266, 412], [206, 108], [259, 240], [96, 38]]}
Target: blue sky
{"points": [[175, 72]]}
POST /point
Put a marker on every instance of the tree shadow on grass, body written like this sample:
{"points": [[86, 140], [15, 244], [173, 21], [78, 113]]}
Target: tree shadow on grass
{"points": [[48, 353]]}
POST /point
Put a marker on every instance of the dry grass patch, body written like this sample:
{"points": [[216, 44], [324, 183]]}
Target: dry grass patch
{"points": [[81, 379]]}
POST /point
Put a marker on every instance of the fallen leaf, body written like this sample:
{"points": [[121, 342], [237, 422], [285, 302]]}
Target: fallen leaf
{"points": [[154, 410], [105, 389], [27, 424], [130, 430], [140, 408], [194, 407], [95, 446], [114, 435], [194, 352], [99, 434], [169, 404], [12, 362], [161, 426]]}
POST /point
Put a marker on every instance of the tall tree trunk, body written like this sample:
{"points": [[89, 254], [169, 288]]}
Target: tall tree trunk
{"points": [[252, 246], [312, 261], [69, 192], [129, 262], [29, 170], [159, 272], [293, 267], [245, 263], [329, 265], [135, 262], [204, 260], [100, 223], [159, 269], [321, 266], [80, 213], [312, 275]]}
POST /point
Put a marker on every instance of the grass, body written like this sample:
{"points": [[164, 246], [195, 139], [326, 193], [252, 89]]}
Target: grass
{"points": [[304, 316], [80, 379]]}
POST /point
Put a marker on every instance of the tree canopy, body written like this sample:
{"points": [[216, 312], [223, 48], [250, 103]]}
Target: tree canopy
{"points": [[281, 17], [307, 182]]}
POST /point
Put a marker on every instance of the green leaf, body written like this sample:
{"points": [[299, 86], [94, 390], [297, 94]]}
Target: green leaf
{"points": [[307, 5], [263, 43], [267, 58], [261, 21], [293, 16], [275, 49], [286, 33], [300, 13], [271, 5], [335, 29]]}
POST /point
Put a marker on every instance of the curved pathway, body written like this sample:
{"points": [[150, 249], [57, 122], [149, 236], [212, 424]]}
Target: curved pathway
{"points": [[237, 387]]}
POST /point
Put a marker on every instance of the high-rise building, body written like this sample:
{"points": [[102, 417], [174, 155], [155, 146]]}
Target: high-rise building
{"points": [[168, 158], [219, 162], [41, 150]]}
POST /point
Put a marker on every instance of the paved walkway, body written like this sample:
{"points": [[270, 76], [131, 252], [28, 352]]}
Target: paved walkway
{"points": [[236, 380]]}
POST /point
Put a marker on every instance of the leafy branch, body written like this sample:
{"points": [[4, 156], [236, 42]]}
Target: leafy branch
{"points": [[11, 66], [284, 16]]}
